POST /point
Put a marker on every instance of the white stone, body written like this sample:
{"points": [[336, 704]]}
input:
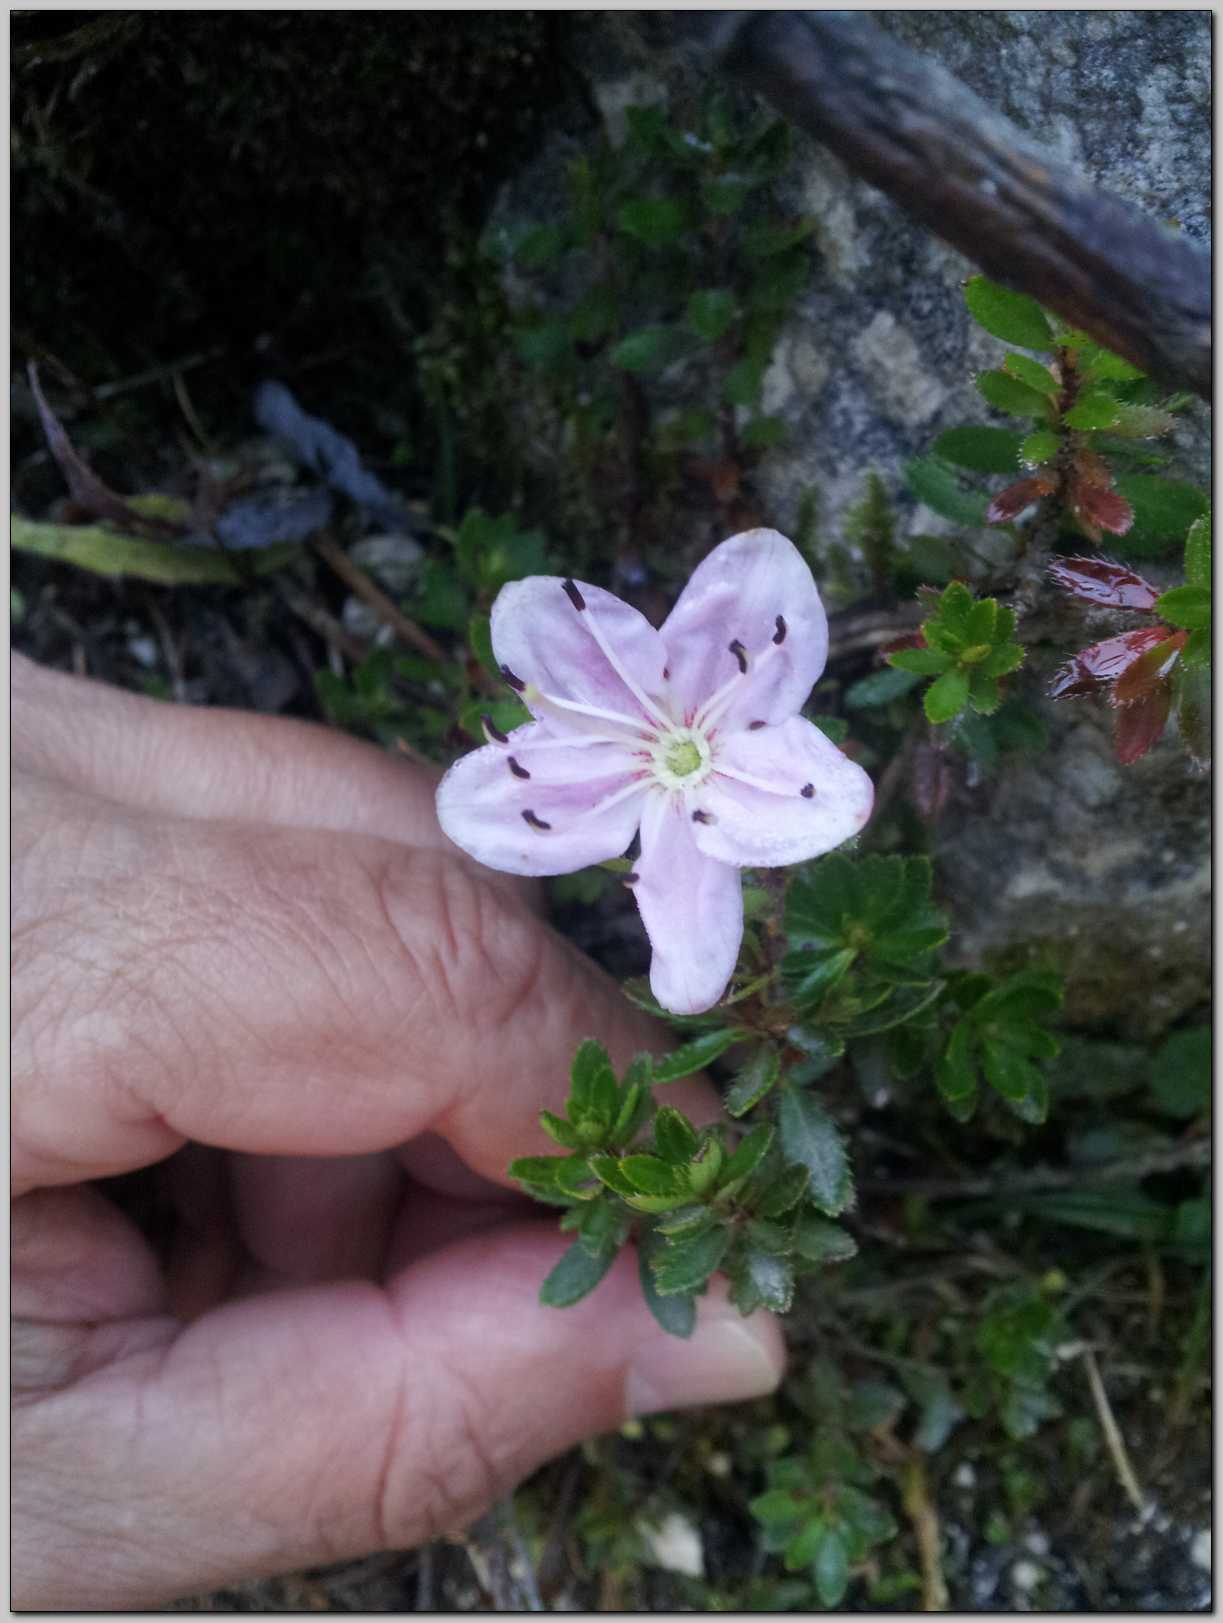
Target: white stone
{"points": [[965, 1476], [675, 1545], [1199, 1549], [1025, 1575]]}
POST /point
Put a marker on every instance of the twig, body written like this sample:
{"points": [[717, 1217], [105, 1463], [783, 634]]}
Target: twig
{"points": [[1195, 1153], [1112, 1433], [500, 1560], [157, 374], [389, 613], [326, 625], [924, 1519]]}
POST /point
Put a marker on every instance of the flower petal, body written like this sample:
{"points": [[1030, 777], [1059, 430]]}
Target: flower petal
{"points": [[736, 595], [692, 909], [771, 821], [542, 637], [589, 796]]}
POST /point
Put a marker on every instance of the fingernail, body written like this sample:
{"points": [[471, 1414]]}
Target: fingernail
{"points": [[726, 1360]]}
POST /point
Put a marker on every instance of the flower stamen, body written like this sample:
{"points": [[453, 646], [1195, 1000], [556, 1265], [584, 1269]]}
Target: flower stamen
{"points": [[534, 822], [518, 771], [613, 659]]}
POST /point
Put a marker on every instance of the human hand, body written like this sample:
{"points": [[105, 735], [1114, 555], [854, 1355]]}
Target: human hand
{"points": [[243, 949]]}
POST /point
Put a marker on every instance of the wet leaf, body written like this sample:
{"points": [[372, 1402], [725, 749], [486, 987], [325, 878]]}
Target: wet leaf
{"points": [[1096, 580], [1094, 668], [1009, 503], [1139, 726], [1145, 674]]}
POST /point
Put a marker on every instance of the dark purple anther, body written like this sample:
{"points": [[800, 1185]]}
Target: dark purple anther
{"points": [[574, 596], [492, 732], [518, 771], [779, 636], [740, 653], [516, 682], [807, 791], [536, 822]]}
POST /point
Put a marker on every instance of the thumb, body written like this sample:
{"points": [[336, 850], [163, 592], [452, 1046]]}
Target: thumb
{"points": [[322, 1424]]}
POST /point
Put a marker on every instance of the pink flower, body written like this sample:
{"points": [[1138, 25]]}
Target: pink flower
{"points": [[690, 734]]}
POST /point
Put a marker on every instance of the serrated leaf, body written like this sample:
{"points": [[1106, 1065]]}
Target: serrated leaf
{"points": [[695, 1055], [683, 1266], [783, 1193], [593, 1091], [1013, 317], [981, 448], [809, 1137], [921, 661], [749, 1153], [564, 1132], [946, 696], [935, 484], [1039, 447], [1009, 394], [1187, 606], [1093, 410], [675, 1314], [575, 1276], [810, 974], [984, 693], [1197, 553], [1163, 509], [903, 1005], [761, 1279], [674, 1136], [818, 1240], [650, 1175], [754, 1081], [1032, 373]]}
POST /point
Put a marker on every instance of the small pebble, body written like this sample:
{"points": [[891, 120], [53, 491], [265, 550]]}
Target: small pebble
{"points": [[965, 1476], [1199, 1550], [1025, 1575], [675, 1545], [1037, 1543]]}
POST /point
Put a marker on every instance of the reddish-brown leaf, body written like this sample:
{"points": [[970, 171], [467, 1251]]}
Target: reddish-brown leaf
{"points": [[1096, 580], [1141, 724], [1094, 668], [1099, 509], [1092, 469], [1009, 503], [1144, 674]]}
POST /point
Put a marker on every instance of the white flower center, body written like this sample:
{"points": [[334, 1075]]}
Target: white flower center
{"points": [[680, 758]]}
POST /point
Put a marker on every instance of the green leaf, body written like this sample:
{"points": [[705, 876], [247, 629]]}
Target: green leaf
{"points": [[1197, 553], [442, 599], [1002, 659], [546, 345], [1032, 373], [763, 241], [831, 1566], [538, 1175], [1013, 317], [593, 1092], [695, 1055], [675, 1314], [809, 1137], [903, 1005], [783, 1193], [818, 1240], [779, 1507], [575, 1276], [711, 312], [761, 1279], [649, 1175], [984, 450], [984, 693], [946, 697], [741, 385], [921, 661], [749, 1153], [649, 349], [674, 1136], [881, 687], [564, 1132], [935, 484], [1180, 1076], [112, 554], [1164, 510], [684, 1266], [1187, 606], [1009, 394], [1039, 447], [810, 974], [763, 433], [725, 194], [541, 245], [756, 1079], [1093, 410], [653, 220]]}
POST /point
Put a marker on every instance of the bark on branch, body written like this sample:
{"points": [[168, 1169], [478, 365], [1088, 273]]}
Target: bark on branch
{"points": [[908, 126]]}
